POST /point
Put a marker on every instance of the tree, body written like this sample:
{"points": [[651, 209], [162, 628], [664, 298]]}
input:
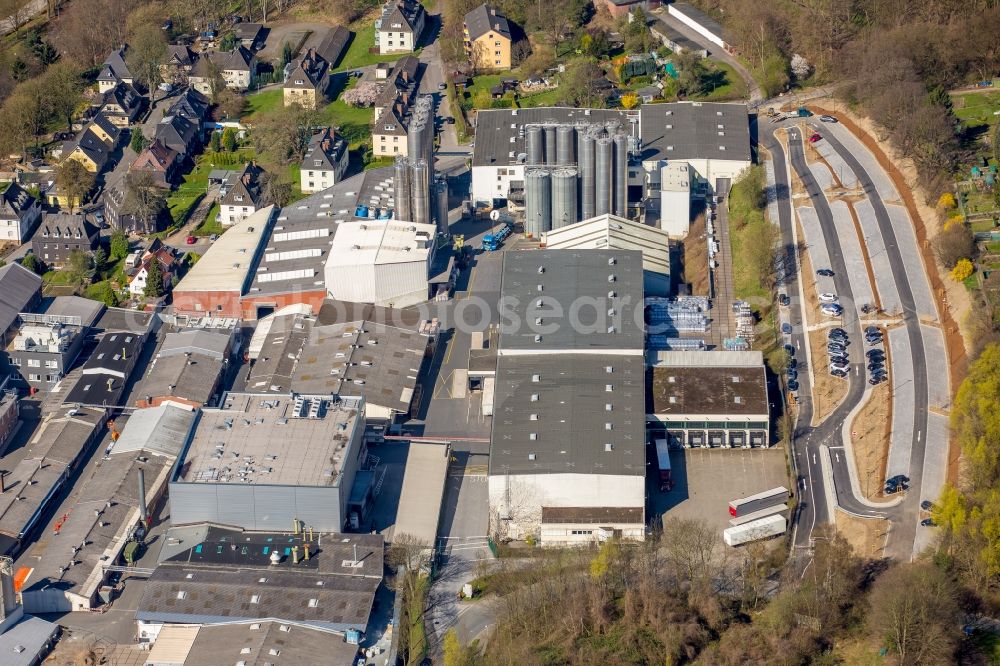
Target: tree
{"points": [[79, 266], [363, 95], [629, 100], [913, 609], [276, 188], [230, 104], [16, 13], [955, 242], [139, 141], [64, 84], [143, 197], [692, 74], [100, 258], [282, 135], [975, 421], [154, 279], [74, 181], [579, 84], [119, 245], [455, 654], [228, 140], [33, 263], [228, 42], [800, 67], [962, 270], [145, 53], [215, 142]]}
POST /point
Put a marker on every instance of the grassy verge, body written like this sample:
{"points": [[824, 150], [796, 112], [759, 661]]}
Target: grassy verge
{"points": [[752, 238], [416, 632], [211, 225], [727, 83]]}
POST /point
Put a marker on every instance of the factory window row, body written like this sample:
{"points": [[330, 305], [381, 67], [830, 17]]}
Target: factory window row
{"points": [[716, 425]]}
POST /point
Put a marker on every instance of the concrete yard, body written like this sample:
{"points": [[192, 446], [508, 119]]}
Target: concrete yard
{"points": [[884, 280], [901, 380], [705, 480], [822, 175], [850, 246], [906, 239], [938, 386]]}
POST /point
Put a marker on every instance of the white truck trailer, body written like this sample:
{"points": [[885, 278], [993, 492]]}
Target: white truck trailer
{"points": [[755, 530]]}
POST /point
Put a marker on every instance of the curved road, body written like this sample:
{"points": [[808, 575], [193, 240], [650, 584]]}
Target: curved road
{"points": [[813, 507]]}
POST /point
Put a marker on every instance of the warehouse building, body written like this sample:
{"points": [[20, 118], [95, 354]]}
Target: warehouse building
{"points": [[188, 368], [700, 22], [716, 399], [52, 454], [107, 371], [568, 439], [609, 232], [210, 575], [293, 353], [264, 461], [107, 514]]}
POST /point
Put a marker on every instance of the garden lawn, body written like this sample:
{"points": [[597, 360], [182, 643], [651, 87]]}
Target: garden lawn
{"points": [[546, 98], [729, 85], [480, 83], [357, 53], [976, 109], [211, 225], [268, 100], [183, 200]]}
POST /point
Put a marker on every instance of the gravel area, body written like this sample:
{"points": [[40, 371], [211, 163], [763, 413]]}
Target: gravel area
{"points": [[822, 175], [907, 241], [815, 243], [843, 172], [850, 247], [901, 380], [881, 179], [884, 280], [938, 390]]}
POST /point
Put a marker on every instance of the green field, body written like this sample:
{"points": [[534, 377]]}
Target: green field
{"points": [[976, 109], [728, 84], [269, 100], [183, 200], [357, 53]]}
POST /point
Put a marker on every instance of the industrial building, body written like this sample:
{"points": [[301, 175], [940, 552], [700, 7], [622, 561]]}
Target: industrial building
{"points": [[302, 579], [188, 368], [422, 494], [26, 491], [674, 210], [50, 338], [20, 291], [700, 22], [567, 165], [263, 461], [716, 399], [107, 371], [568, 435], [610, 232], [292, 352], [110, 512]]}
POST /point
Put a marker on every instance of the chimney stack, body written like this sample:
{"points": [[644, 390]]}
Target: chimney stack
{"points": [[143, 515]]}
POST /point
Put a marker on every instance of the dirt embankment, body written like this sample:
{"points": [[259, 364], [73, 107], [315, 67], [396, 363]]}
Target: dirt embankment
{"points": [[866, 535]]}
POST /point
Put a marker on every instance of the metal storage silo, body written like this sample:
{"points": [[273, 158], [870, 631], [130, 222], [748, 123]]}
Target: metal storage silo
{"points": [[537, 202], [441, 204], [563, 198], [621, 175], [421, 192], [565, 145], [550, 144], [536, 145], [602, 181], [401, 190], [587, 176]]}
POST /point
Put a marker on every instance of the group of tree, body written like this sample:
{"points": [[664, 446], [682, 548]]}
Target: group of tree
{"points": [[38, 105], [74, 182]]}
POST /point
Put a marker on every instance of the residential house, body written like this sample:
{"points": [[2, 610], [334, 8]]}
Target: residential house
{"points": [[178, 134], [240, 195], [389, 133], [236, 69], [106, 130], [325, 161], [89, 150], [121, 104], [59, 234], [488, 38], [178, 61], [251, 35], [20, 290], [399, 28], [400, 85], [392, 108], [192, 105], [114, 71], [310, 77], [116, 216], [159, 161], [19, 214], [138, 278]]}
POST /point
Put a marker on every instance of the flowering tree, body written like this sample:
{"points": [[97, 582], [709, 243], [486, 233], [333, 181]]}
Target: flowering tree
{"points": [[362, 95], [800, 67]]}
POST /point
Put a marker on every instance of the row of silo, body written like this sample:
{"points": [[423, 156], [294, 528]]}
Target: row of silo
{"points": [[550, 200], [550, 145]]}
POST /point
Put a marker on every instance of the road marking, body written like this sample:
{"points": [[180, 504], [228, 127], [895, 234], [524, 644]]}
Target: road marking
{"points": [[837, 456], [919, 433], [447, 353], [814, 459]]}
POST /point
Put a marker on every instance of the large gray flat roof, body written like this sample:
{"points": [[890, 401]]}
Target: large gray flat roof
{"points": [[261, 435], [696, 390], [191, 378], [695, 130], [563, 401], [591, 300]]}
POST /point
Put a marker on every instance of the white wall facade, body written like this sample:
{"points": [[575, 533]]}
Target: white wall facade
{"points": [[528, 493], [491, 182], [232, 214], [317, 180], [395, 41], [584, 534], [399, 284]]}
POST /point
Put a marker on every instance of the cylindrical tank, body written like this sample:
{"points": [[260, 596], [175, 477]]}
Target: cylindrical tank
{"points": [[621, 175], [537, 202], [550, 144], [587, 173], [602, 184], [565, 145], [612, 127], [536, 145], [415, 138], [563, 198], [441, 204], [421, 192], [401, 190]]}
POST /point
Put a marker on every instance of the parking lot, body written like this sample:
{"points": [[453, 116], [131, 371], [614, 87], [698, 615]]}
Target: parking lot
{"points": [[705, 480]]}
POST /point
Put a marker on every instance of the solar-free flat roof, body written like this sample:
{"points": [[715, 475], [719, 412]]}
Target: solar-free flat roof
{"points": [[709, 390], [579, 414], [229, 263], [695, 130], [259, 439], [579, 301]]}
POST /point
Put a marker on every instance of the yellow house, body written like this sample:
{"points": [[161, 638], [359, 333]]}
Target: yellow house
{"points": [[487, 39], [89, 151]]}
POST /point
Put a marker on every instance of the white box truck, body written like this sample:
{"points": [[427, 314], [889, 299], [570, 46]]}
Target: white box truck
{"points": [[755, 530]]}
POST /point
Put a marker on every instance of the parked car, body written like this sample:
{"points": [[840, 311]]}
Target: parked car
{"points": [[838, 331], [814, 138], [839, 359], [786, 328], [831, 309], [792, 373], [784, 300], [190, 240], [213, 237], [793, 385], [873, 340], [841, 338], [828, 297], [926, 505], [875, 365], [844, 367], [875, 381], [839, 373], [872, 330], [828, 119], [927, 522], [875, 354], [790, 349], [442, 86], [825, 272]]}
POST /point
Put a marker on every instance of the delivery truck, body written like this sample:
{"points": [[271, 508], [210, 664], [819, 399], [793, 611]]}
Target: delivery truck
{"points": [[764, 500], [663, 460], [755, 530]]}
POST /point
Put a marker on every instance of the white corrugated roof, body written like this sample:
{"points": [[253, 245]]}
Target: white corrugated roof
{"points": [[161, 430], [610, 232], [173, 644], [380, 242], [229, 262]]}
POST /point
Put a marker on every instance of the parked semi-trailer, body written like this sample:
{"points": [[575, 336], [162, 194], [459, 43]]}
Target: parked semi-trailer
{"points": [[663, 460], [764, 500], [755, 530]]}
